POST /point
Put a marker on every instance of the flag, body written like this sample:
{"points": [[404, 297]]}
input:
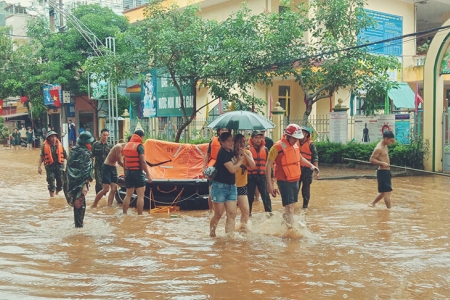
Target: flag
{"points": [[386, 103], [207, 109], [23, 99], [287, 102], [253, 103], [417, 98], [220, 106], [55, 94], [1, 107], [352, 99], [270, 106]]}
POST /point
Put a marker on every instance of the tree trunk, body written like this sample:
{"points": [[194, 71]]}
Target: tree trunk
{"points": [[307, 112]]}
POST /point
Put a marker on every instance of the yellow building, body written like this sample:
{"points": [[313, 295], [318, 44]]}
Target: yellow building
{"points": [[435, 12]]}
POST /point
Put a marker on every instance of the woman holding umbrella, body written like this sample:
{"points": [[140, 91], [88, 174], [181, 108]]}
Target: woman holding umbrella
{"points": [[223, 188], [241, 178]]}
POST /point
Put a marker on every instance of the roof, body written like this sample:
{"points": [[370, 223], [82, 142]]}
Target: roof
{"points": [[403, 96], [134, 88], [14, 116]]}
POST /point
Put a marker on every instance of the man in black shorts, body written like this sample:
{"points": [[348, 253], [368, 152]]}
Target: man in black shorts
{"points": [[135, 165], [380, 157], [109, 174]]}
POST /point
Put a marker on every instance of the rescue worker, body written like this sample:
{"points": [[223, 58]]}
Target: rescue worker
{"points": [[286, 155], [309, 152], [135, 165], [53, 156], [100, 151], [268, 143], [78, 176], [257, 175], [211, 157]]}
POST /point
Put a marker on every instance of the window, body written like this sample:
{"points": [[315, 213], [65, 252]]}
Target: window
{"points": [[360, 105], [282, 91]]}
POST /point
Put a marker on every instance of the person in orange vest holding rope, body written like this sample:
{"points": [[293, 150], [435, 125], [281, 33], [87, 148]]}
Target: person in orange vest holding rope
{"points": [[257, 175], [53, 156], [309, 152], [211, 157], [286, 155], [135, 166]]}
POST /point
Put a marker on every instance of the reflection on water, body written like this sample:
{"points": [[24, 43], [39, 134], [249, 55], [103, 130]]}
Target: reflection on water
{"points": [[340, 248]]}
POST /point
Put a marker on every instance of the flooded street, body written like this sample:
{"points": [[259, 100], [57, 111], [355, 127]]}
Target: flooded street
{"points": [[348, 250]]}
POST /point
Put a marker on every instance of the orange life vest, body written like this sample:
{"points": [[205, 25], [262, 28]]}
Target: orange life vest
{"points": [[48, 157], [305, 150], [260, 158], [288, 161], [215, 147], [130, 153]]}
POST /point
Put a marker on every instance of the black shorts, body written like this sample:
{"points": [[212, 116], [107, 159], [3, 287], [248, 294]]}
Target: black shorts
{"points": [[384, 181], [288, 192], [109, 174], [242, 190], [135, 179]]}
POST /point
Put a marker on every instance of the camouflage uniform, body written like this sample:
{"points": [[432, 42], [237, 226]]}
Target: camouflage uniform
{"points": [[78, 173], [99, 151], [307, 177], [54, 171]]}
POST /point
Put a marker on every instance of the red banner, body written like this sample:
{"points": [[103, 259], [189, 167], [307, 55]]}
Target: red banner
{"points": [[23, 99], [1, 107]]}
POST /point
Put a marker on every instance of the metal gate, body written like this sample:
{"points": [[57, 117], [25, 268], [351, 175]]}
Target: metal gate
{"points": [[446, 143]]}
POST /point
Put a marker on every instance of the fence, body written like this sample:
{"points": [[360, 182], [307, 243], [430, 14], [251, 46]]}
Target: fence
{"points": [[197, 129]]}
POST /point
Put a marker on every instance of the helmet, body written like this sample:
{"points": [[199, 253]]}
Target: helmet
{"points": [[294, 130], [50, 133], [85, 138], [307, 129]]}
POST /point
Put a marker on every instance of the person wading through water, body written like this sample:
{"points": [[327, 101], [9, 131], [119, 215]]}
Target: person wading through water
{"points": [[286, 155], [309, 152], [78, 176], [100, 151], [135, 165], [53, 155]]}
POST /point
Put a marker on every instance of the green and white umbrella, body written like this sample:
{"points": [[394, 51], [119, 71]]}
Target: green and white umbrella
{"points": [[241, 120]]}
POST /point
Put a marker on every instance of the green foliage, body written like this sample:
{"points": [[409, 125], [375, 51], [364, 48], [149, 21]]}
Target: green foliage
{"points": [[3, 128], [411, 155]]}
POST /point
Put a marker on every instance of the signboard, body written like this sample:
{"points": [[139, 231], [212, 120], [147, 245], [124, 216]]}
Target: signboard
{"points": [[97, 86], [169, 101], [402, 128], [369, 129], [149, 93], [338, 127], [388, 26], [71, 110]]}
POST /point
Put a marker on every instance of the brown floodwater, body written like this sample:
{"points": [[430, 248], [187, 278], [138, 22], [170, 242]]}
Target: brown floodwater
{"points": [[348, 250]]}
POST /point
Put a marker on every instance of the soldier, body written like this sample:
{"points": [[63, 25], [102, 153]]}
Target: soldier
{"points": [[257, 175], [16, 139], [53, 155], [100, 151], [30, 137], [78, 176], [309, 152]]}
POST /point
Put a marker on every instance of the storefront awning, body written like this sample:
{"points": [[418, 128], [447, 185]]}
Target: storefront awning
{"points": [[14, 116], [403, 96]]}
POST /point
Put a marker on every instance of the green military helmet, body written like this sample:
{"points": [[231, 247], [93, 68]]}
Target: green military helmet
{"points": [[307, 129], [50, 133], [85, 138]]}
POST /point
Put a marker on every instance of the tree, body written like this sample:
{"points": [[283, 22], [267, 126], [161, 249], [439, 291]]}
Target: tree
{"points": [[333, 58], [227, 57]]}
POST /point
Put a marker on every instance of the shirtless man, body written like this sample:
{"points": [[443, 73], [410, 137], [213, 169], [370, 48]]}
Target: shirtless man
{"points": [[380, 157], [109, 174]]}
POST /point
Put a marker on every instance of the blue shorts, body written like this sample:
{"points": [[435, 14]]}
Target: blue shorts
{"points": [[222, 192], [109, 174], [288, 192]]}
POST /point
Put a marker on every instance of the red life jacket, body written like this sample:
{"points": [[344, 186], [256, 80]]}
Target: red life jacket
{"points": [[288, 161], [260, 158], [215, 147], [48, 157], [130, 153], [305, 150]]}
